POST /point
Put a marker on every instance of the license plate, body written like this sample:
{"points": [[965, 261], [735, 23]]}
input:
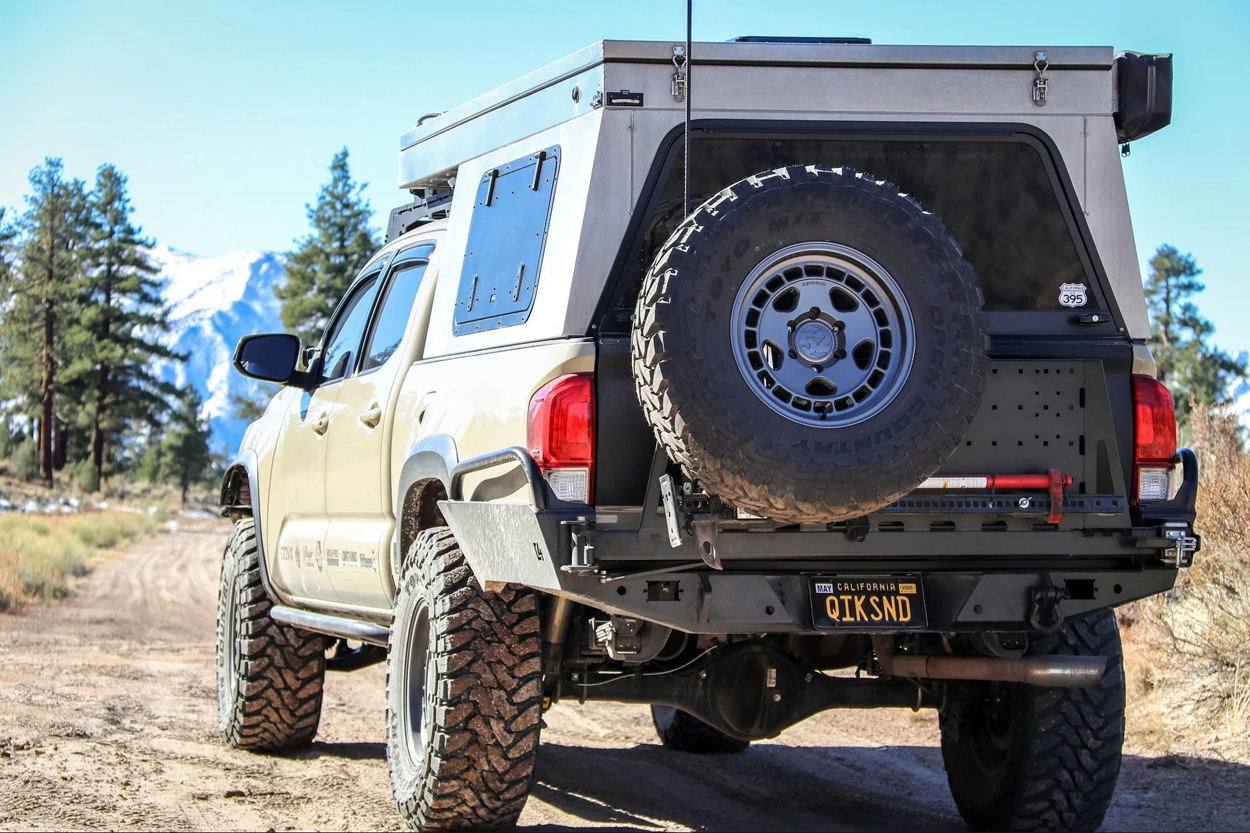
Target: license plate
{"points": [[859, 602]]}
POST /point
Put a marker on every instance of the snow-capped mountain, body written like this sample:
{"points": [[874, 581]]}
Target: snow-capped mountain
{"points": [[213, 301]]}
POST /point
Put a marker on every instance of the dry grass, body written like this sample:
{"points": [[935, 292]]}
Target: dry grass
{"points": [[40, 554], [1188, 651]]}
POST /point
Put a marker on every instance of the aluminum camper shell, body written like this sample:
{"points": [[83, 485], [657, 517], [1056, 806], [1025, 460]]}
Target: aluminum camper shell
{"points": [[611, 110]]}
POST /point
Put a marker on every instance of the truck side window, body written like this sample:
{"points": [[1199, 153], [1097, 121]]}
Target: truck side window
{"points": [[392, 319], [349, 328]]}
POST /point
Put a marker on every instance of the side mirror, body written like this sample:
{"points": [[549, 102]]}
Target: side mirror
{"points": [[271, 358]]}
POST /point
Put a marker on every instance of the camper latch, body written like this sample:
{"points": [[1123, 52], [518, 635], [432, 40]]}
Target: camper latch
{"points": [[1040, 83]]}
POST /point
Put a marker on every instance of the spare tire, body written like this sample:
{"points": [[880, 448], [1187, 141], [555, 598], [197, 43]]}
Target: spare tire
{"points": [[808, 345]]}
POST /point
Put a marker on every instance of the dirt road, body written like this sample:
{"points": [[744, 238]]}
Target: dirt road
{"points": [[108, 721]]}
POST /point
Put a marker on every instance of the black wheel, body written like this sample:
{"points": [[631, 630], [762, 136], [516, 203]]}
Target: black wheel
{"points": [[463, 693], [808, 344], [1027, 758], [687, 733], [269, 675]]}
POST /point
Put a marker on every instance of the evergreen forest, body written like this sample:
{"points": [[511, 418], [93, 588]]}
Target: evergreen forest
{"points": [[81, 327]]}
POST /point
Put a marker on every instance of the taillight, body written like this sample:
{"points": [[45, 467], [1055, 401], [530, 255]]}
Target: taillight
{"points": [[1154, 439], [562, 435]]}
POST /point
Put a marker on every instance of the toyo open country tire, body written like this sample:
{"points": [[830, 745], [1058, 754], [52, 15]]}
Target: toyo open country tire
{"points": [[270, 675], [463, 693], [808, 344], [1021, 757]]}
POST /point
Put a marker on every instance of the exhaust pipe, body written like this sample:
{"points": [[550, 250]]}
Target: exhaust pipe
{"points": [[1051, 671]]}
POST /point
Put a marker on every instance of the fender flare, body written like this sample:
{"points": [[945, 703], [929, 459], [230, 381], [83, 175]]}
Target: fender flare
{"points": [[432, 458], [247, 461], [436, 459]]}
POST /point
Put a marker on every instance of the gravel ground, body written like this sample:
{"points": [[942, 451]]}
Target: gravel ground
{"points": [[108, 721]]}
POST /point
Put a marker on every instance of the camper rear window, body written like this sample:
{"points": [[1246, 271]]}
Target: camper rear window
{"points": [[995, 197]]}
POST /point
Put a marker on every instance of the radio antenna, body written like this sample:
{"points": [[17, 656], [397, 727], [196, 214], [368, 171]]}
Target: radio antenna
{"points": [[686, 154]]}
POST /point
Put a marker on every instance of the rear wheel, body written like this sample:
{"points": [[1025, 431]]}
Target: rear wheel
{"points": [[463, 693], [1028, 758], [269, 675], [686, 733]]}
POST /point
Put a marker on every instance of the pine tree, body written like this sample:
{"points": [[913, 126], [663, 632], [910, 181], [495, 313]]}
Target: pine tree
{"points": [[184, 455], [251, 405], [8, 248], [8, 265], [115, 340], [319, 271], [1192, 369], [41, 297]]}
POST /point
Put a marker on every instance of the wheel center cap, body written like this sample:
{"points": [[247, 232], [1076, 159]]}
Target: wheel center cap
{"points": [[815, 342]]}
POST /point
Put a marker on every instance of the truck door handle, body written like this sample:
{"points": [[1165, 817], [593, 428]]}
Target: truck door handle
{"points": [[321, 424], [372, 416]]}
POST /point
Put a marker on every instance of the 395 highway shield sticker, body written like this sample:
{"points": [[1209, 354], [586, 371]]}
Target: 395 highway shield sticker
{"points": [[1073, 295]]}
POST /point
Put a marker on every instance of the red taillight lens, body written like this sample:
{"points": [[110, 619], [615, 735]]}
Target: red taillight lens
{"points": [[1154, 439], [1154, 433], [561, 434]]}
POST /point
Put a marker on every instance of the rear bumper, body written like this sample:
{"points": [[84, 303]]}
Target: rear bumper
{"points": [[974, 579], [764, 588], [725, 602]]}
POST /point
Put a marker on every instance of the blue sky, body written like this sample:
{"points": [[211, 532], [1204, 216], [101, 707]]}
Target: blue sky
{"points": [[225, 114]]}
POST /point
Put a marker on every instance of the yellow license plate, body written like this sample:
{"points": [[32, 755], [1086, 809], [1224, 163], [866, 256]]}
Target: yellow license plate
{"points": [[868, 602]]}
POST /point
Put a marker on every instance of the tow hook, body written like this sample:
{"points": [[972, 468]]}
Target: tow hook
{"points": [[1044, 612], [1183, 545], [701, 512], [705, 531]]}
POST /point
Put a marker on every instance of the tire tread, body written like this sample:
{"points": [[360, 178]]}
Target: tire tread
{"points": [[282, 668], [487, 703]]}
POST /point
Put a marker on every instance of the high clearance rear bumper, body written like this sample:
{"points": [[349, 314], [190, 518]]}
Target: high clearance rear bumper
{"points": [[972, 580]]}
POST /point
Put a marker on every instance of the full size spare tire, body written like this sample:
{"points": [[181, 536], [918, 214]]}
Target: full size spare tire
{"points": [[809, 345]]}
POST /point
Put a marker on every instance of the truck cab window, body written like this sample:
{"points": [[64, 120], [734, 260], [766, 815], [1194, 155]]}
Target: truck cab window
{"points": [[392, 319], [349, 328]]}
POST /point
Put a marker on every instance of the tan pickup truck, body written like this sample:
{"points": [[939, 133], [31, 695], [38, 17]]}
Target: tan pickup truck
{"points": [[862, 386]]}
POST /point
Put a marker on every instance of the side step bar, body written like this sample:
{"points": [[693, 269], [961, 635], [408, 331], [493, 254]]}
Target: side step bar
{"points": [[339, 626]]}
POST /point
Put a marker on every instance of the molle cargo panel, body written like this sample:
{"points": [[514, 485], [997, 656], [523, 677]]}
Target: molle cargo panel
{"points": [[1035, 415], [507, 235]]}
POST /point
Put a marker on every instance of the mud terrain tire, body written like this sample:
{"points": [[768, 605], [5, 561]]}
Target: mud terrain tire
{"points": [[1028, 758], [270, 675], [831, 450], [683, 732], [463, 693]]}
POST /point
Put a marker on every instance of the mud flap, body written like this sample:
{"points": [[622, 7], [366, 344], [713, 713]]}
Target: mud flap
{"points": [[505, 542]]}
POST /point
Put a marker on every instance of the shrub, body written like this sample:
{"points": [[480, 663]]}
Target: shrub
{"points": [[42, 557], [39, 555], [1205, 620], [108, 529], [25, 460], [82, 474]]}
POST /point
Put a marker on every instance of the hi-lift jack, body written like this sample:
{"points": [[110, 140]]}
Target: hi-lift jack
{"points": [[688, 508], [1053, 481]]}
